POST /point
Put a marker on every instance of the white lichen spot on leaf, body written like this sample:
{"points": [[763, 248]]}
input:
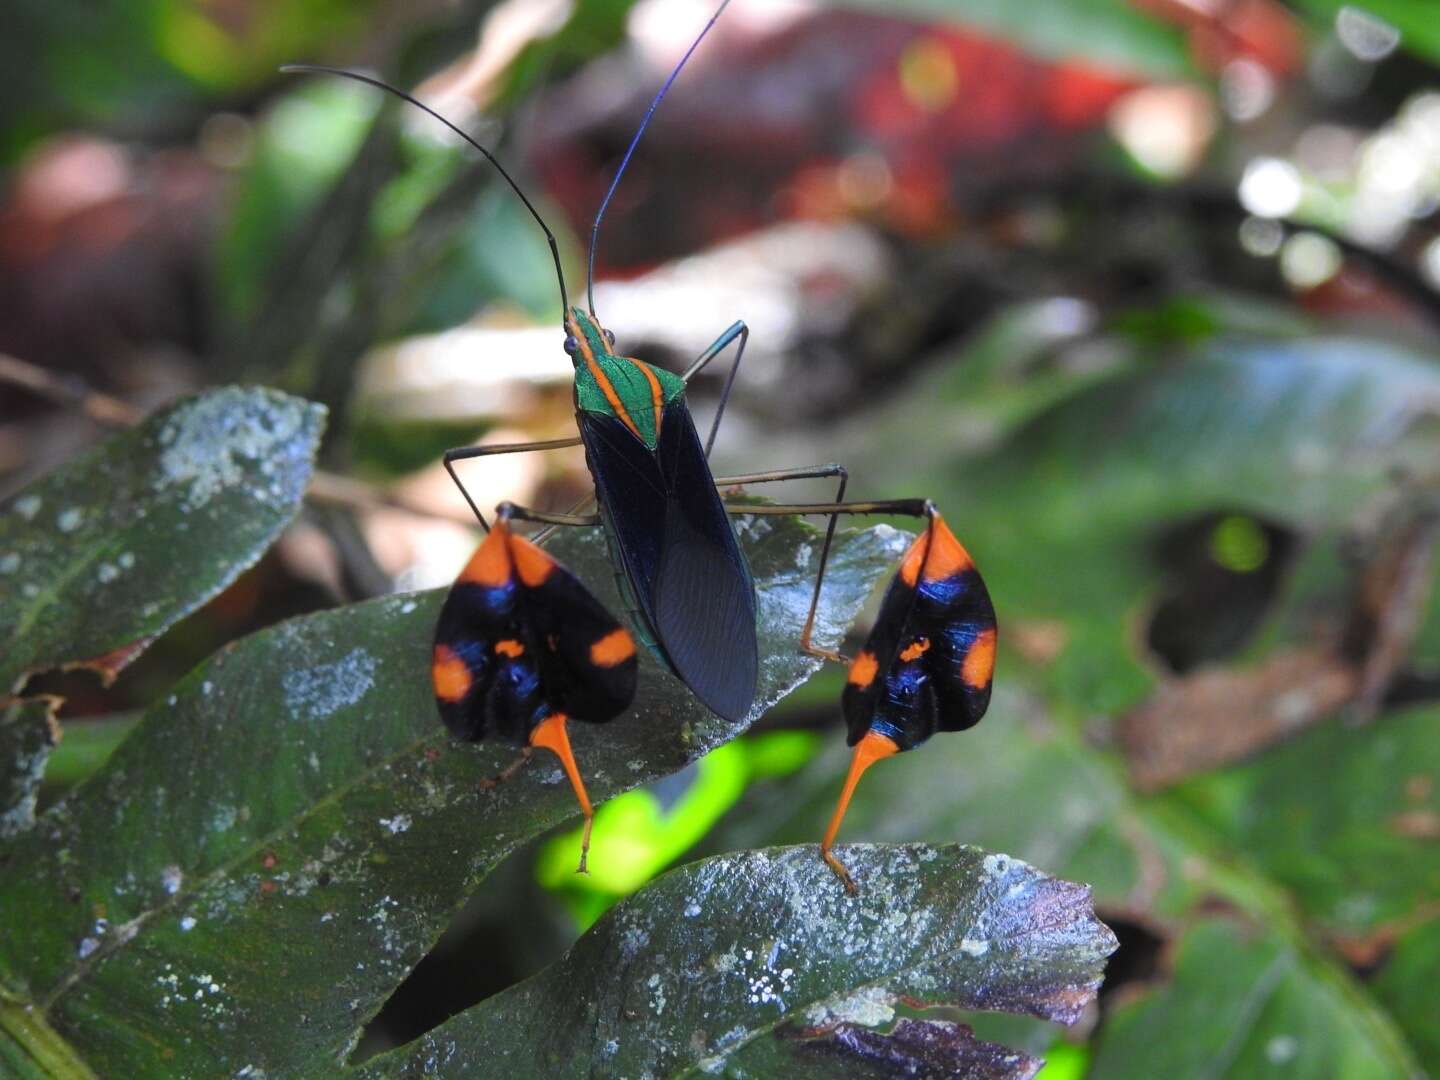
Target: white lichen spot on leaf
{"points": [[230, 439], [395, 825], [870, 1006], [316, 692], [974, 946]]}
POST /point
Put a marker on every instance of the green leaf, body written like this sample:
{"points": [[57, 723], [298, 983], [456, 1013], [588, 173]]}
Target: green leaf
{"points": [[1109, 33], [962, 787], [1303, 433], [758, 963], [28, 733], [1244, 1004], [1350, 818], [110, 550], [1021, 782], [1406, 985], [1062, 512], [257, 867], [86, 745], [302, 147]]}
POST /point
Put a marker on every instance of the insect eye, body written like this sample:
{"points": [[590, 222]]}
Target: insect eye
{"points": [[610, 338], [571, 344]]}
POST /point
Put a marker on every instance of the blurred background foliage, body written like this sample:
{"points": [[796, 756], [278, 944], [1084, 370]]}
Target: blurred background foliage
{"points": [[1142, 292]]}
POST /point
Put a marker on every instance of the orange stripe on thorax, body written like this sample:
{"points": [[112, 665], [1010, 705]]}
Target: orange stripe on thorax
{"points": [[656, 394], [606, 386]]}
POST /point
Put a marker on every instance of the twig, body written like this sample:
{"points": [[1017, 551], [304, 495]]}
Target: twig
{"points": [[72, 391]]}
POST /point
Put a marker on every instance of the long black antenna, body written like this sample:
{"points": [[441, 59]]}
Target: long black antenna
{"points": [[634, 142], [319, 69]]}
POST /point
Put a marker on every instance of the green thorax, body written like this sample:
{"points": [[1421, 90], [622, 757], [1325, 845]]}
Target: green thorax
{"points": [[617, 386]]}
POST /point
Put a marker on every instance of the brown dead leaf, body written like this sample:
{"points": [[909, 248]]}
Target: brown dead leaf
{"points": [[109, 665], [1040, 641], [1214, 716], [1416, 824]]}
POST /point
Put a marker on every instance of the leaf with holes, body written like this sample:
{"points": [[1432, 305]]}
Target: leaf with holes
{"points": [[104, 554], [256, 868], [1302, 433], [758, 963]]}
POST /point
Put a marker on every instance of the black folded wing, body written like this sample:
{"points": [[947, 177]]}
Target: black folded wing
{"points": [[679, 554]]}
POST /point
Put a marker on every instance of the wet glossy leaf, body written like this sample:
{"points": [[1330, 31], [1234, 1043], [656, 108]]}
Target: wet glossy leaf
{"points": [[960, 787], [1109, 33], [110, 550], [254, 870], [1246, 1004], [1062, 518], [758, 963], [1140, 855]]}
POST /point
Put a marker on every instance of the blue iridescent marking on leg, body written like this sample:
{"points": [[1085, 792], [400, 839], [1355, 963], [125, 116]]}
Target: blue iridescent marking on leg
{"points": [[474, 653]]}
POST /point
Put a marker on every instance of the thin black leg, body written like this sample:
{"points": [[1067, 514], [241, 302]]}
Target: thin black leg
{"points": [[736, 329], [464, 453]]}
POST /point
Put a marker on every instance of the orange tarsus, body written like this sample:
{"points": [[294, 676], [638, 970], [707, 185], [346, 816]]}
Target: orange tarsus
{"points": [[550, 733], [508, 773], [868, 750]]}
